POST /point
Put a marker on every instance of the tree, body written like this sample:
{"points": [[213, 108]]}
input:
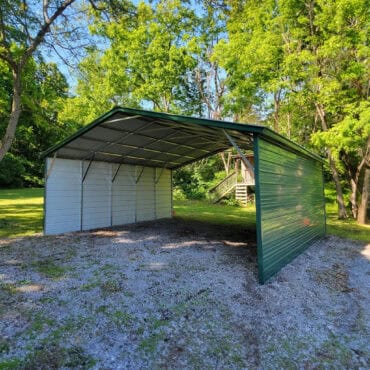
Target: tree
{"points": [[252, 57], [310, 55], [44, 93], [349, 141], [22, 32], [151, 54], [25, 27], [339, 87], [99, 88]]}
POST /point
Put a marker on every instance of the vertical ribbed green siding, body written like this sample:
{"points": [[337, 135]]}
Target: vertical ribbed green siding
{"points": [[290, 205]]}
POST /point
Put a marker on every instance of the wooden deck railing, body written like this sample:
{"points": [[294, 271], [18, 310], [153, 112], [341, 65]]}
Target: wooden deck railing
{"points": [[224, 187]]}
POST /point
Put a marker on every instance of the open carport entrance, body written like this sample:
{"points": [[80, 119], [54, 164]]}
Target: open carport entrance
{"points": [[117, 170]]}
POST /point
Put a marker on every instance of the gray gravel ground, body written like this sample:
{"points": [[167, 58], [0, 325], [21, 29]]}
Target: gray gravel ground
{"points": [[176, 294]]}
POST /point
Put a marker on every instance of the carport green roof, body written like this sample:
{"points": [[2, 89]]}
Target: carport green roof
{"points": [[147, 138]]}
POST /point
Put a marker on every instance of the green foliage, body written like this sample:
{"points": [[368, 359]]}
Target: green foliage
{"points": [[147, 63], [178, 194], [231, 201], [194, 181], [296, 66], [39, 126], [305, 65], [349, 136], [12, 171], [186, 182]]}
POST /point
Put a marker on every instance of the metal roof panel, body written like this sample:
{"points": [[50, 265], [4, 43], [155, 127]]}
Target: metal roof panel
{"points": [[127, 135]]}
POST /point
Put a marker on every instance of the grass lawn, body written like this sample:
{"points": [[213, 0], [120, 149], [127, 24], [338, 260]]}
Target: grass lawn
{"points": [[215, 213], [345, 229], [21, 214]]}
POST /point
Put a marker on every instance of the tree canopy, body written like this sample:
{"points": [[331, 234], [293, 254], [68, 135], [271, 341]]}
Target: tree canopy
{"points": [[300, 67]]}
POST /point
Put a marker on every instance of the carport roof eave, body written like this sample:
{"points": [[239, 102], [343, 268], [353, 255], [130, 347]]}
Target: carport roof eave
{"points": [[278, 139], [245, 128], [158, 115]]}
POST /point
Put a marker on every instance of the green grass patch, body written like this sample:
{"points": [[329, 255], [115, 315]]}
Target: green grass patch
{"points": [[55, 356], [345, 228], [220, 214], [150, 344], [21, 212], [246, 217], [7, 288], [14, 363], [49, 269]]}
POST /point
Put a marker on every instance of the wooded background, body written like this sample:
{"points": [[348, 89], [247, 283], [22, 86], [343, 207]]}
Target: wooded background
{"points": [[298, 66]]}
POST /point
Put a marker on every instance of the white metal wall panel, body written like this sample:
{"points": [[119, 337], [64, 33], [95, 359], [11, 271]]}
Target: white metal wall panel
{"points": [[62, 196], [96, 196], [163, 193], [123, 195], [145, 195], [105, 198]]}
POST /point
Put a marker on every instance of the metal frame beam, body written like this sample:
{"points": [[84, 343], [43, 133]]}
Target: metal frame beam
{"points": [[131, 146], [87, 169], [51, 166], [150, 137], [124, 118], [116, 173], [123, 156], [107, 144], [156, 179], [137, 178], [244, 158]]}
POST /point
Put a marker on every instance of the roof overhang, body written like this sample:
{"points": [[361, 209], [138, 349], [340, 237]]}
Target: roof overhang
{"points": [[156, 139]]}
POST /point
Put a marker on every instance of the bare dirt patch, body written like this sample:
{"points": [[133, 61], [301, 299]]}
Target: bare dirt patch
{"points": [[175, 294]]}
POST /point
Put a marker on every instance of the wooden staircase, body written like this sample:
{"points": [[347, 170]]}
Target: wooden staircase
{"points": [[229, 184], [241, 193], [223, 188]]}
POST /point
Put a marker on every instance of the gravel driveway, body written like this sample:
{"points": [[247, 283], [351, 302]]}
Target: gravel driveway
{"points": [[176, 294]]}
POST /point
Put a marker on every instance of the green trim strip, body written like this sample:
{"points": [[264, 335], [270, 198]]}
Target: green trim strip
{"points": [[258, 210], [323, 199], [255, 129]]}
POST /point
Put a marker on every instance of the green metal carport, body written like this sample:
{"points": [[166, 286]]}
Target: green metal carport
{"points": [[290, 208]]}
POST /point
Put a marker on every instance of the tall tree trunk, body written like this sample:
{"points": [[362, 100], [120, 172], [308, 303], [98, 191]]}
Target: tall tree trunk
{"points": [[276, 110], [355, 179], [289, 125], [8, 138], [365, 199], [353, 198], [342, 212]]}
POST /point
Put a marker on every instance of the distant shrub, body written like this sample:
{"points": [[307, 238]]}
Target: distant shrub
{"points": [[178, 194], [231, 202], [185, 180], [12, 171]]}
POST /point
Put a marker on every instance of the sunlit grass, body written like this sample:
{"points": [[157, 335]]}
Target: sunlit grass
{"points": [[245, 217], [345, 228], [216, 213], [21, 212]]}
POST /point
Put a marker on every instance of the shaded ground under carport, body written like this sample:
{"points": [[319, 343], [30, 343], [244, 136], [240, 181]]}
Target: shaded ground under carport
{"points": [[179, 294]]}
